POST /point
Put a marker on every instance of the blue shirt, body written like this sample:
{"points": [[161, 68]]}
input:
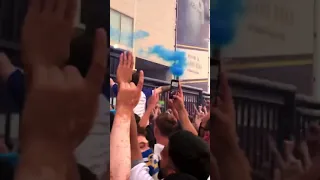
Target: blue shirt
{"points": [[152, 164]]}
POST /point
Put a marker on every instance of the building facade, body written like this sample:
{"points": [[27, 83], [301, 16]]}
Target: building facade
{"points": [[138, 25]]}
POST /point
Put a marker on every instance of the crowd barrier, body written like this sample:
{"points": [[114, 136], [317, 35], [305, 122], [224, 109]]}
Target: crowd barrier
{"points": [[192, 95], [265, 108]]}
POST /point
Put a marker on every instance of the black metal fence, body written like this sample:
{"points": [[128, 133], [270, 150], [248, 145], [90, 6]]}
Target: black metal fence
{"points": [[265, 108], [192, 96]]}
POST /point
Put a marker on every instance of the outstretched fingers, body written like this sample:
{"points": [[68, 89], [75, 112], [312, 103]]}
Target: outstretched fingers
{"points": [[130, 60], [141, 81]]}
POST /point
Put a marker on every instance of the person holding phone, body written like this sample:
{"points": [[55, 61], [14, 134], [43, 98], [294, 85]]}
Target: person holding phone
{"points": [[125, 74]]}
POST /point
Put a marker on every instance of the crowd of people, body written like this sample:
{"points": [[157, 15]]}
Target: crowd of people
{"points": [[67, 120]]}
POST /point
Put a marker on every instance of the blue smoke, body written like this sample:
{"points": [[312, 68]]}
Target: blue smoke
{"points": [[115, 34], [224, 15], [140, 35], [177, 58]]}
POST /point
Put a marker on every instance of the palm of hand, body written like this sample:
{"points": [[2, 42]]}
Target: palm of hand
{"points": [[129, 94], [71, 100], [124, 74], [67, 117]]}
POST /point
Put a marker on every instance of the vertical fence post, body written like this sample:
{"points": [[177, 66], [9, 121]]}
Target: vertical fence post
{"points": [[200, 98], [286, 120]]}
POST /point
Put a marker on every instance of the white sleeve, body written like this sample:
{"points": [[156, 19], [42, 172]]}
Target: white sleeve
{"points": [[140, 172]]}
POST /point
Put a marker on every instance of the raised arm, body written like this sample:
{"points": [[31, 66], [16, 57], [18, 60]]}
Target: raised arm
{"points": [[224, 140], [178, 103], [152, 102], [120, 149], [47, 146], [162, 89]]}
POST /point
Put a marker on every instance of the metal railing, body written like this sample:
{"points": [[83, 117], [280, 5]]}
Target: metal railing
{"points": [[192, 96], [265, 108]]}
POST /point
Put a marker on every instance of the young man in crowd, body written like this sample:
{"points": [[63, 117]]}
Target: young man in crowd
{"points": [[128, 97], [125, 73], [147, 152]]}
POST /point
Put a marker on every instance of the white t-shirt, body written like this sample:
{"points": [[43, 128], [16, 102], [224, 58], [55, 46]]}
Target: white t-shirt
{"points": [[140, 109], [94, 152], [140, 172]]}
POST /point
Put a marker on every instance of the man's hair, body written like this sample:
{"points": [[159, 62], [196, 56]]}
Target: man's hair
{"points": [[166, 124], [141, 131], [190, 154], [137, 118], [135, 77]]}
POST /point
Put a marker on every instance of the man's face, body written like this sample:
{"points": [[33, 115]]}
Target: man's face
{"points": [[143, 143]]}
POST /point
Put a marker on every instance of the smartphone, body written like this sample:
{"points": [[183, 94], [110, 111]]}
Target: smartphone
{"points": [[215, 69], [174, 87]]}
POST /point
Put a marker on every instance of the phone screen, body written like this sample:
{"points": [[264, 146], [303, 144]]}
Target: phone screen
{"points": [[173, 88], [214, 76]]}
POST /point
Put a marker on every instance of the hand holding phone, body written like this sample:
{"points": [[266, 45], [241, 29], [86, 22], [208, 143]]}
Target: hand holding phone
{"points": [[174, 88]]}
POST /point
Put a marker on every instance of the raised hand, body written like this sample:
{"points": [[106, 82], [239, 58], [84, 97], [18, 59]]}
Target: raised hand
{"points": [[178, 99], [196, 110], [223, 121], [125, 67], [47, 32], [289, 167], [153, 100], [61, 105], [129, 94]]}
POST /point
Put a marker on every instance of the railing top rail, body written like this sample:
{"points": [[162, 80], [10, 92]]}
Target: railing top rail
{"points": [[164, 83], [253, 82], [309, 112], [264, 84], [307, 102]]}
